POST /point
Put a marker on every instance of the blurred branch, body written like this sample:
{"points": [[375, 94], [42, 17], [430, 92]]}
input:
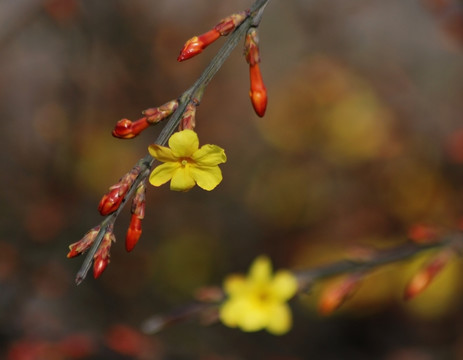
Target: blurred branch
{"points": [[354, 268]]}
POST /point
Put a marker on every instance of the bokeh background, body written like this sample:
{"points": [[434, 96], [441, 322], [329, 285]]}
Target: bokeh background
{"points": [[362, 139]]}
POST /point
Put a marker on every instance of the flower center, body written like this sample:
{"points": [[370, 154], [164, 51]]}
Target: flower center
{"points": [[184, 162]]}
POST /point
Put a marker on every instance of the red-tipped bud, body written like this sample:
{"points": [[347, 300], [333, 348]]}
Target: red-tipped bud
{"points": [[197, 44], [127, 129], [155, 115], [258, 91], [230, 23], [102, 255], [111, 201], [133, 233], [188, 120], [424, 277], [83, 244], [99, 265], [334, 296]]}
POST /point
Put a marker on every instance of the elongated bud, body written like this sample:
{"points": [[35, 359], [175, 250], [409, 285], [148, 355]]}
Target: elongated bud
{"points": [[128, 129], [133, 233], [230, 23], [111, 201], [102, 255], [83, 244], [334, 296], [155, 115], [138, 213], [258, 91], [424, 277], [188, 120], [197, 44]]}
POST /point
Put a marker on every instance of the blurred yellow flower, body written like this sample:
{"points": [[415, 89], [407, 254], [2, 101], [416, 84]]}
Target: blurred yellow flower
{"points": [[185, 164], [259, 301]]}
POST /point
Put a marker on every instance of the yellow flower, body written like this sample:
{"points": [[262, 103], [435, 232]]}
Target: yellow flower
{"points": [[259, 301], [185, 164]]}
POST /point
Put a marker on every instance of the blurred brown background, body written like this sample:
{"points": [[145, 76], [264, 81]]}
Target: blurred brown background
{"points": [[363, 138]]}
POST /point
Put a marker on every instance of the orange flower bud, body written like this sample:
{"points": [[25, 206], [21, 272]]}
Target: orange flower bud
{"points": [[230, 23], [133, 233], [84, 244], [155, 115], [334, 296], [111, 201], [102, 255], [188, 121], [258, 92], [423, 278], [197, 44], [127, 129]]}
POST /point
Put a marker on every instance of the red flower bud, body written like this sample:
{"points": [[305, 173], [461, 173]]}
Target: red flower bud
{"points": [[424, 277], [197, 44], [111, 201], [84, 244], [102, 255], [133, 233], [99, 265], [127, 129], [258, 92], [335, 295]]}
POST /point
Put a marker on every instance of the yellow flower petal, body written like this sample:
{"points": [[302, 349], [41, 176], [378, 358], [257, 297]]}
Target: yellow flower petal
{"points": [[161, 153], [163, 173], [184, 143], [261, 270], [251, 316], [182, 179], [207, 178], [234, 284], [280, 319], [284, 285], [209, 155]]}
